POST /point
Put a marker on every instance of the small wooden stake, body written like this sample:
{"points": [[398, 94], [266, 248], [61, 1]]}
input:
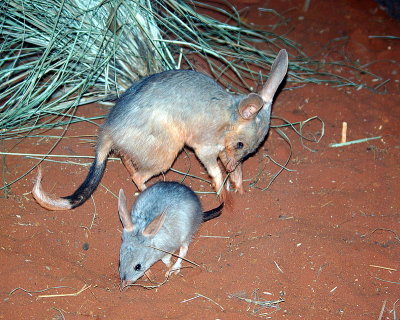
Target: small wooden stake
{"points": [[344, 132]]}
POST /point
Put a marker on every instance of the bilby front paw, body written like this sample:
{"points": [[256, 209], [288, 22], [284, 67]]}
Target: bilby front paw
{"points": [[171, 272]]}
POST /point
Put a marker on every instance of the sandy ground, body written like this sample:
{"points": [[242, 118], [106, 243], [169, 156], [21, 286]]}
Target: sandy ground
{"points": [[324, 238]]}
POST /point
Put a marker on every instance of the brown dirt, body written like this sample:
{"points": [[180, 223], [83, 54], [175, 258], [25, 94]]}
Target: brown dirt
{"points": [[312, 238]]}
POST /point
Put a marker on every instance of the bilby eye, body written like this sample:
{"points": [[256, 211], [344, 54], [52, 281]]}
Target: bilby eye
{"points": [[239, 145], [138, 267]]}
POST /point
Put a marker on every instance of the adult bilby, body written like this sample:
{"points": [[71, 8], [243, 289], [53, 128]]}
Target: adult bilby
{"points": [[159, 114]]}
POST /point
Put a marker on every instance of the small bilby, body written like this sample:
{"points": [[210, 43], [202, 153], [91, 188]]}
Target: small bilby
{"points": [[160, 114], [163, 219]]}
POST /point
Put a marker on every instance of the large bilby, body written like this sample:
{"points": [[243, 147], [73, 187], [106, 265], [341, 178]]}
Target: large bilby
{"points": [[160, 114]]}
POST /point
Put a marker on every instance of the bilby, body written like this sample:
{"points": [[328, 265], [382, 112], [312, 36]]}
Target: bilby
{"points": [[163, 219], [160, 114]]}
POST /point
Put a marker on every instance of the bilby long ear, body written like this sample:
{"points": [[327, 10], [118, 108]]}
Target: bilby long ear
{"points": [[123, 212], [155, 225], [249, 106], [278, 72]]}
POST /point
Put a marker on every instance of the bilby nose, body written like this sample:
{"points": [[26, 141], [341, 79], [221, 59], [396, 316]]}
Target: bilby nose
{"points": [[125, 283]]}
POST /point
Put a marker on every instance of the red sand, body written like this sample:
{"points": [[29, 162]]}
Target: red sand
{"points": [[324, 237]]}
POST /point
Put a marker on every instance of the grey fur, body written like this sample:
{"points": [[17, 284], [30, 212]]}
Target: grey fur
{"points": [[160, 114], [183, 216]]}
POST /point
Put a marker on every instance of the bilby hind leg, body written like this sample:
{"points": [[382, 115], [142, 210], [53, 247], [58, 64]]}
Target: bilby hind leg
{"points": [[176, 268], [128, 164], [137, 177]]}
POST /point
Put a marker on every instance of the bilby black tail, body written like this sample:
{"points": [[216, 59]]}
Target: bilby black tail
{"points": [[88, 186], [85, 190], [213, 213]]}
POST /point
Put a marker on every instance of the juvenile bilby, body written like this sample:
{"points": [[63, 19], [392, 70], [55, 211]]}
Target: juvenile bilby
{"points": [[160, 114], [163, 219]]}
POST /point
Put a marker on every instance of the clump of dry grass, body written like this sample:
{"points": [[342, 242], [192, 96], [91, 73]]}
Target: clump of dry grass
{"points": [[57, 55]]}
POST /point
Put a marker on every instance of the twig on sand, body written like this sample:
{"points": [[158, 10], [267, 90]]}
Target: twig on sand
{"points": [[278, 267], [37, 291], [198, 295], [382, 310], [85, 287], [394, 309], [94, 213], [154, 286], [335, 145], [259, 304], [386, 280], [380, 267]]}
